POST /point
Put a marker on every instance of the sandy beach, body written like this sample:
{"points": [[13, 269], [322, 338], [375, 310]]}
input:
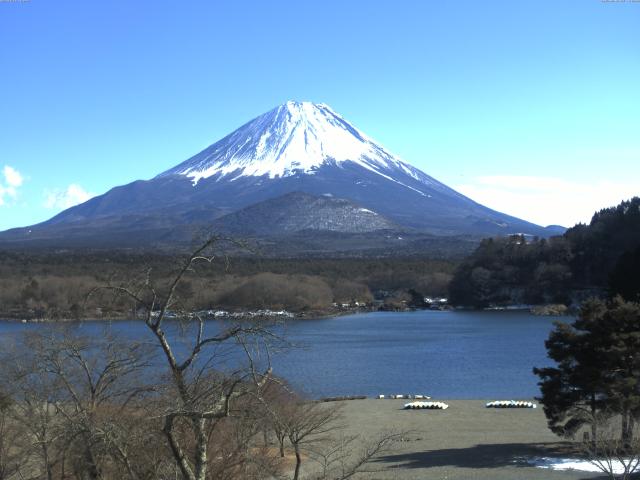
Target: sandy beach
{"points": [[466, 441]]}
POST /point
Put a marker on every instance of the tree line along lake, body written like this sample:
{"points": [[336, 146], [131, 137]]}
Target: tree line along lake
{"points": [[444, 354]]}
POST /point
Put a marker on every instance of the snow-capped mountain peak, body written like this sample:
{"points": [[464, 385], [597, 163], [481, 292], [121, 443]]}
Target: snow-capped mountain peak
{"points": [[296, 137]]}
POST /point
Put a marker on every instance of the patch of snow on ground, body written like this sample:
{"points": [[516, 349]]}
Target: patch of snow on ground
{"points": [[572, 464]]}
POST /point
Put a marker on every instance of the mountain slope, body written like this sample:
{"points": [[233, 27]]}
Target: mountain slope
{"points": [[296, 147]]}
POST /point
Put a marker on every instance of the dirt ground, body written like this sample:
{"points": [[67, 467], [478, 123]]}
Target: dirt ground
{"points": [[466, 441]]}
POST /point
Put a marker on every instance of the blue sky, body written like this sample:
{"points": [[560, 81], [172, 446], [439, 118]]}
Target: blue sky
{"points": [[530, 107]]}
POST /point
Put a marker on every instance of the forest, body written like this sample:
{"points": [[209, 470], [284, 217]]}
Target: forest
{"points": [[54, 285], [599, 259]]}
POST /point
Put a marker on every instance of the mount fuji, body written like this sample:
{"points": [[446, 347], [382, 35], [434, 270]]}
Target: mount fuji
{"points": [[300, 167]]}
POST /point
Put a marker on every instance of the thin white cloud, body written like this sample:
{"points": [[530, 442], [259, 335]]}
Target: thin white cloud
{"points": [[547, 200], [11, 181], [73, 195]]}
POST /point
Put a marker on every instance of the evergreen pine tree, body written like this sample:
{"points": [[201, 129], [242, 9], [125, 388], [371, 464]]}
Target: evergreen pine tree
{"points": [[598, 369]]}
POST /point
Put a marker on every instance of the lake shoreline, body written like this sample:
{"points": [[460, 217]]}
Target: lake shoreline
{"points": [[233, 314], [243, 314]]}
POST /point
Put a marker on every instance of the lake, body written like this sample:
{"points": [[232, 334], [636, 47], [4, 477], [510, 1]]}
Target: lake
{"points": [[444, 354]]}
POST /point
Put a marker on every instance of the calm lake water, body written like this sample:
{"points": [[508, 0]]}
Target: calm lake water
{"points": [[462, 355]]}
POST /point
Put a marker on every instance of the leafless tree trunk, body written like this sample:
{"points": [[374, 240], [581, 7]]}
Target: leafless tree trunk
{"points": [[199, 400], [307, 424]]}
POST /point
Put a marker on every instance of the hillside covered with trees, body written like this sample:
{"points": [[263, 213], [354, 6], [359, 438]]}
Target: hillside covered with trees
{"points": [[54, 285], [602, 258]]}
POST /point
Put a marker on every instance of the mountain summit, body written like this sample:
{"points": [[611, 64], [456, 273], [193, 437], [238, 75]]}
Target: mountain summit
{"points": [[245, 181], [296, 137]]}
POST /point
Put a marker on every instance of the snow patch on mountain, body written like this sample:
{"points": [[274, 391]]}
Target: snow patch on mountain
{"points": [[297, 137]]}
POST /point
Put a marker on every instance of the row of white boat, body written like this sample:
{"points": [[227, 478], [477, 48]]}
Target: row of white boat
{"points": [[426, 405], [495, 404], [405, 397], [444, 406], [510, 404]]}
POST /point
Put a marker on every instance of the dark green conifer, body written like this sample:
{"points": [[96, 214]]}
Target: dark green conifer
{"points": [[597, 372]]}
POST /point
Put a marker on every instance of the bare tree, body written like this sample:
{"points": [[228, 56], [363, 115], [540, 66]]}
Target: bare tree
{"points": [[279, 402], [32, 409], [309, 424], [200, 395], [346, 456], [12, 454], [314, 430], [614, 456], [73, 398]]}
